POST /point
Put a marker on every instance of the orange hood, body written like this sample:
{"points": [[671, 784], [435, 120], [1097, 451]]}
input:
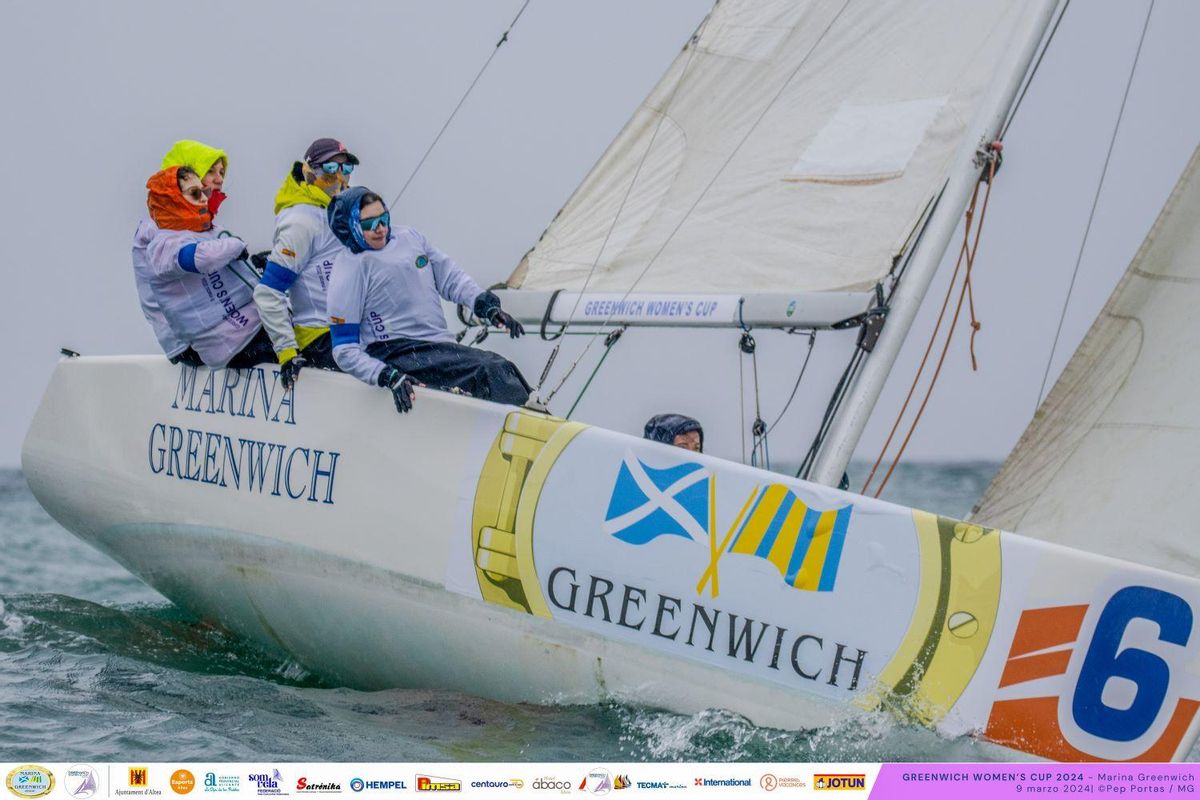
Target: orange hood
{"points": [[169, 208]]}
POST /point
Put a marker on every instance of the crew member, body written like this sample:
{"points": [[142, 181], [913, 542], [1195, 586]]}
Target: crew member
{"points": [[675, 429], [199, 276], [301, 259], [210, 163], [384, 294]]}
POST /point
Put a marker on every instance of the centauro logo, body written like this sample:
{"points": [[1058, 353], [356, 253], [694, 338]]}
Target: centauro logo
{"points": [[836, 782], [431, 783]]}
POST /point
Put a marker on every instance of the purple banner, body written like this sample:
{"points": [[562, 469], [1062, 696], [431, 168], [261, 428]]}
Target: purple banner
{"points": [[988, 781]]}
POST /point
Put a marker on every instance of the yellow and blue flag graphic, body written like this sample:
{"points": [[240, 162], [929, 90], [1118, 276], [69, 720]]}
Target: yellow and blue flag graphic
{"points": [[803, 543]]}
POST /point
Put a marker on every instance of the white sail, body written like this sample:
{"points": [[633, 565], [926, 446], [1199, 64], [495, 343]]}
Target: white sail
{"points": [[1110, 459], [793, 146]]}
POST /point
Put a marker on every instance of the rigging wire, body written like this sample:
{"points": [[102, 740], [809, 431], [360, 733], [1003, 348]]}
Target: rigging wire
{"points": [[694, 42], [812, 340], [461, 100], [1095, 202], [1012, 112], [704, 192]]}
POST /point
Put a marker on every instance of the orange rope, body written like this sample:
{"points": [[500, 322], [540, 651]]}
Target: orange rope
{"points": [[967, 253]]}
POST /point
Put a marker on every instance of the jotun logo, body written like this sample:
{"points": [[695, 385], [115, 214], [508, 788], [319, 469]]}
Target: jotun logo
{"points": [[835, 782], [432, 783]]}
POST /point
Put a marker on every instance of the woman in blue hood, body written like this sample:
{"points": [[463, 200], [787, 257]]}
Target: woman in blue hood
{"points": [[385, 310]]}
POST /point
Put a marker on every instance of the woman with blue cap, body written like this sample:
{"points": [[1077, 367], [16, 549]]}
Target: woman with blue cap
{"points": [[385, 310]]}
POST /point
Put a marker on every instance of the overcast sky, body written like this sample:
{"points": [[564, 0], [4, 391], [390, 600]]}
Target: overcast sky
{"points": [[94, 93]]}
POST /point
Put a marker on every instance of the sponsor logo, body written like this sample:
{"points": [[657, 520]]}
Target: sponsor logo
{"points": [[139, 784], [722, 782], [598, 781], [552, 784], [359, 785], [222, 783], [791, 309], [1112, 696], [30, 780], [139, 776], [658, 785], [182, 781], [422, 261], [81, 782], [267, 783], [510, 783], [432, 783], [621, 782], [770, 782], [839, 781], [303, 784]]}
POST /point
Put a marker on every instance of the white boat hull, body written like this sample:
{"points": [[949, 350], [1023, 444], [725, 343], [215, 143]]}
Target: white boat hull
{"points": [[473, 547]]}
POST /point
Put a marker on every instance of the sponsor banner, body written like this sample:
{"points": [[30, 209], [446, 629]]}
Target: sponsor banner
{"points": [[995, 781], [805, 594]]}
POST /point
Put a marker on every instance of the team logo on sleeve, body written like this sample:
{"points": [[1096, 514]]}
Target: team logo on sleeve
{"points": [[422, 261]]}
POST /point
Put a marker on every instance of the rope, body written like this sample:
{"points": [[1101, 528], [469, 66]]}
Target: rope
{"points": [[461, 100], [812, 340], [966, 254], [1012, 112], [1095, 202], [753, 127]]}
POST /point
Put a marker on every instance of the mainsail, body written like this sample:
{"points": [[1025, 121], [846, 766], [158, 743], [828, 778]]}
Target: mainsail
{"points": [[1109, 461], [794, 146]]}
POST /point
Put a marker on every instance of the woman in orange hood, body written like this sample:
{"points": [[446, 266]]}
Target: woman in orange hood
{"points": [[199, 277]]}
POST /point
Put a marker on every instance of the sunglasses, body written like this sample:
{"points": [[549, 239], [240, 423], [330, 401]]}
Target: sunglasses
{"points": [[331, 168], [196, 195], [371, 223]]}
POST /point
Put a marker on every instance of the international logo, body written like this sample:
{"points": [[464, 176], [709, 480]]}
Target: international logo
{"points": [[267, 783], [30, 780], [139, 777], [182, 781], [81, 782], [726, 783], [222, 783], [305, 786], [552, 784], [839, 781], [1035, 679], [432, 783], [804, 544], [359, 785]]}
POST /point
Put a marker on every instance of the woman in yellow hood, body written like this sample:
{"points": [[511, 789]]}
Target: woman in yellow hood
{"points": [[207, 162]]}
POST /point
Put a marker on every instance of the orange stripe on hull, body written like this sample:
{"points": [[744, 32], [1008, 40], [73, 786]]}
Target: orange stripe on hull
{"points": [[1040, 628], [1028, 668]]}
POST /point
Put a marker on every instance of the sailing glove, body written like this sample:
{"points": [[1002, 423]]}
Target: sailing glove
{"points": [[401, 387], [290, 370], [502, 319]]}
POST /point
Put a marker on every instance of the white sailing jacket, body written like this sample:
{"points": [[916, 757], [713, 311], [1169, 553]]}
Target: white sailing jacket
{"points": [[171, 344], [206, 299], [298, 268], [392, 293]]}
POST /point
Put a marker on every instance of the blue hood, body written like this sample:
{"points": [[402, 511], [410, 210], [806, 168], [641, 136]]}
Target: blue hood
{"points": [[343, 216]]}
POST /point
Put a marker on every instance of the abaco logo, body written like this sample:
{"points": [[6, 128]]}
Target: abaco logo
{"points": [[1102, 714]]}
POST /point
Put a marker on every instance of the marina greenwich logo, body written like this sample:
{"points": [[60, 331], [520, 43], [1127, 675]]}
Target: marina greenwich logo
{"points": [[30, 780]]}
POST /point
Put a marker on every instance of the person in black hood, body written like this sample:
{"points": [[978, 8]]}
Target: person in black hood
{"points": [[385, 310], [675, 429]]}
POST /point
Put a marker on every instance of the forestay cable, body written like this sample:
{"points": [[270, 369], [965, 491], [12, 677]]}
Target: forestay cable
{"points": [[1095, 202], [461, 100]]}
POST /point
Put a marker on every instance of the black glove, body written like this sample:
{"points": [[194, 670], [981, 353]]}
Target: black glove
{"points": [[259, 261], [502, 319], [244, 255], [401, 387], [289, 371]]}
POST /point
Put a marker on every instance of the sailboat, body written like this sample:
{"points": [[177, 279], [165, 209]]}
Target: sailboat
{"points": [[801, 165]]}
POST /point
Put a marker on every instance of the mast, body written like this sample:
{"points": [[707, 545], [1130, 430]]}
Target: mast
{"points": [[848, 426]]}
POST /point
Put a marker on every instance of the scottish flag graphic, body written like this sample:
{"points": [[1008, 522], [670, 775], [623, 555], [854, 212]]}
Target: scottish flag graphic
{"points": [[647, 502]]}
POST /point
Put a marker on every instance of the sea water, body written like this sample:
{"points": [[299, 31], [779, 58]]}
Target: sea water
{"points": [[96, 666]]}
